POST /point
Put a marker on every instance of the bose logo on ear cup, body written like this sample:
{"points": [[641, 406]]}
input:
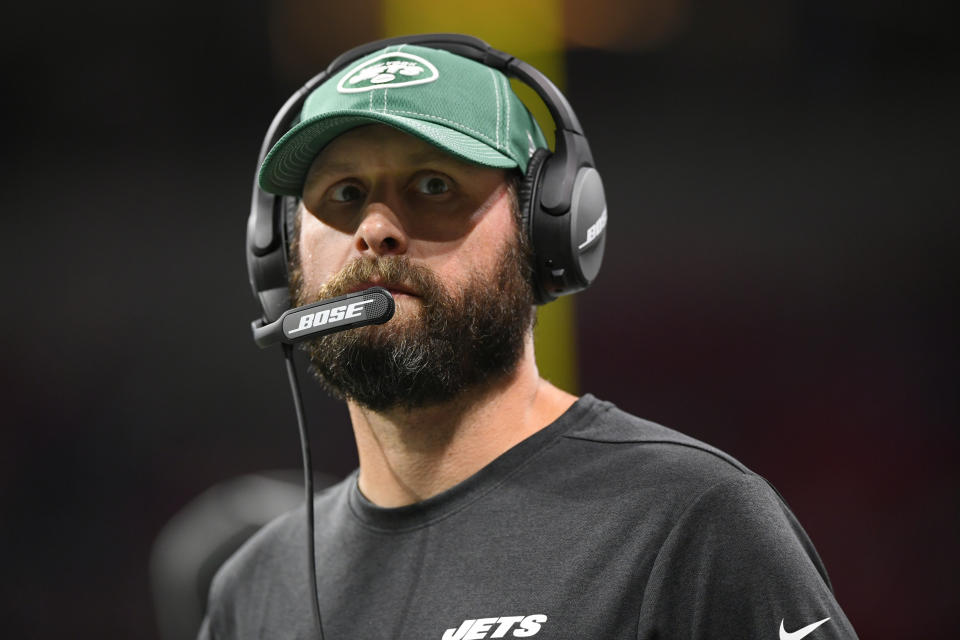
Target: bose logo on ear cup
{"points": [[594, 231]]}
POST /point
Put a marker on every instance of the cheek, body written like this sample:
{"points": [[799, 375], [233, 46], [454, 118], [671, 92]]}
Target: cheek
{"points": [[479, 254], [323, 252]]}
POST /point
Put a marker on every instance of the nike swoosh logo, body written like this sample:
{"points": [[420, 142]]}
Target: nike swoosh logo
{"points": [[799, 633]]}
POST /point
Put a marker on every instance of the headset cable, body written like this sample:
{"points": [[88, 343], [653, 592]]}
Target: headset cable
{"points": [[307, 483]]}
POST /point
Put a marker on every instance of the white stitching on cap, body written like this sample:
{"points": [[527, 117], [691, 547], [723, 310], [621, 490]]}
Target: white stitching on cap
{"points": [[506, 90], [496, 93], [387, 88]]}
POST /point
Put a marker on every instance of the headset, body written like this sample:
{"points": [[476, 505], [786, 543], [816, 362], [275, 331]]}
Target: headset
{"points": [[561, 197]]}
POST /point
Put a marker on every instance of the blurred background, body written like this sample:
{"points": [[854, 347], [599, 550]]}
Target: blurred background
{"points": [[780, 271]]}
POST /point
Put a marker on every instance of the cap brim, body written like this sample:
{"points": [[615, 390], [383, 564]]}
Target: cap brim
{"points": [[285, 166]]}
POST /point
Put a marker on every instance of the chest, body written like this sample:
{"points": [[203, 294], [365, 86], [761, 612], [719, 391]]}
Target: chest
{"points": [[497, 577]]}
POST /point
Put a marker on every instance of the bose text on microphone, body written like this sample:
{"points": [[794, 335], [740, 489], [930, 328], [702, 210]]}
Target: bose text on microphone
{"points": [[370, 306]]}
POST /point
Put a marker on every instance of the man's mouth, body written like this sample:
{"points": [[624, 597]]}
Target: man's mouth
{"points": [[395, 289]]}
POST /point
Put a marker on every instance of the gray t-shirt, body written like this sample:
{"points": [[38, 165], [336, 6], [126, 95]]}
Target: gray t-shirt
{"points": [[599, 526]]}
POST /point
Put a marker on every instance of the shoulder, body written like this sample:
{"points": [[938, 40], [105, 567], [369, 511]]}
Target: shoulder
{"points": [[270, 563], [649, 451], [682, 482], [264, 551], [264, 563], [728, 546], [705, 485]]}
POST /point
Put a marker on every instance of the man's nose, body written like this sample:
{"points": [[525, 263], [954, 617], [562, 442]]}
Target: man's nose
{"points": [[380, 232]]}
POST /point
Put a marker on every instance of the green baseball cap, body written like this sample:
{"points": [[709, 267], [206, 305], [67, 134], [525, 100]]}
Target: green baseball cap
{"points": [[463, 107]]}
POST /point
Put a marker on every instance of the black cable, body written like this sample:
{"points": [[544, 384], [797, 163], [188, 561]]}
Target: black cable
{"points": [[307, 483]]}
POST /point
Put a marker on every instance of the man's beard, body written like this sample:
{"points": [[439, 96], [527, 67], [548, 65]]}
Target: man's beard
{"points": [[452, 342]]}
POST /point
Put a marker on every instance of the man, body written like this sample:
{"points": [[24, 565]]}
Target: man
{"points": [[488, 503]]}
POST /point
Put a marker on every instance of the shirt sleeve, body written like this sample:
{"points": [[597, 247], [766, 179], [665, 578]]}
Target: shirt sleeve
{"points": [[737, 564]]}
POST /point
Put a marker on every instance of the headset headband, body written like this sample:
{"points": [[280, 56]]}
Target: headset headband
{"points": [[266, 235]]}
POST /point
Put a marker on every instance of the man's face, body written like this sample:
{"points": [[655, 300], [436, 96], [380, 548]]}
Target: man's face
{"points": [[381, 207]]}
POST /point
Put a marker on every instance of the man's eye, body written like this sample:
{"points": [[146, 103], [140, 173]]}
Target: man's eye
{"points": [[346, 193], [433, 185]]}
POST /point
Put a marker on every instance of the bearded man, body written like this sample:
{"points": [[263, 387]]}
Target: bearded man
{"points": [[488, 503]]}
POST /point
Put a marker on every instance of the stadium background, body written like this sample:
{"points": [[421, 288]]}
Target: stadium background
{"points": [[779, 279]]}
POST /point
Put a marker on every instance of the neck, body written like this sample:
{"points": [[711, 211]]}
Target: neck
{"points": [[409, 455]]}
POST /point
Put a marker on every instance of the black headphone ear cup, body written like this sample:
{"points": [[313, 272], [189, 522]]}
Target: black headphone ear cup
{"points": [[528, 187], [528, 199], [566, 247]]}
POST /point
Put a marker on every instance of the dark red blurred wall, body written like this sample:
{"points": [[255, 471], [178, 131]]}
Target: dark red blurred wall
{"points": [[783, 219]]}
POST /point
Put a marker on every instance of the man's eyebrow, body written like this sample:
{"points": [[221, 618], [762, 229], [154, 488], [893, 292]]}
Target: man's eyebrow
{"points": [[331, 167]]}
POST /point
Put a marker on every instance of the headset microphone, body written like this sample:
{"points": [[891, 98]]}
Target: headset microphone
{"points": [[370, 306]]}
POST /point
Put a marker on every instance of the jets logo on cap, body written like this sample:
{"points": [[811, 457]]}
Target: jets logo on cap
{"points": [[388, 70]]}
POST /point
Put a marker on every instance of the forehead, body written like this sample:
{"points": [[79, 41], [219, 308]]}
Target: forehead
{"points": [[376, 145]]}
